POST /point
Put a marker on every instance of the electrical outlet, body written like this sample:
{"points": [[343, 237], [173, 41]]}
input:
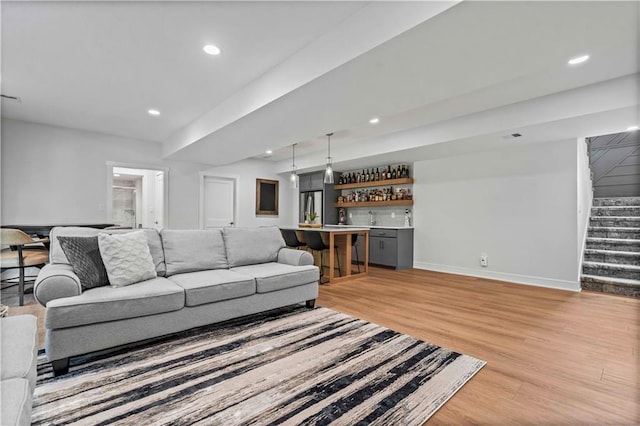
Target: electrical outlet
{"points": [[350, 215], [393, 215], [484, 260]]}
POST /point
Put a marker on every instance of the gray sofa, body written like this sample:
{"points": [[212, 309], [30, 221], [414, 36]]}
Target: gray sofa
{"points": [[204, 276], [19, 352]]}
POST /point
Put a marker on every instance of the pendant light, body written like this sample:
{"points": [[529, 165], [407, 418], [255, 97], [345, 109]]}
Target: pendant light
{"points": [[328, 171], [294, 179]]}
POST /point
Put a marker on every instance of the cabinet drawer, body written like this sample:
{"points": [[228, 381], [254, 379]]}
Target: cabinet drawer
{"points": [[381, 232]]}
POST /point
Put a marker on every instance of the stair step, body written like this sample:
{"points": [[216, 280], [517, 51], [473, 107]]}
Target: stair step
{"points": [[620, 286], [609, 256], [615, 221], [613, 270], [617, 201], [614, 232], [614, 244], [615, 211]]}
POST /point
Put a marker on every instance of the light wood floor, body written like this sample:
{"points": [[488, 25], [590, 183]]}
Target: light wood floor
{"points": [[553, 357]]}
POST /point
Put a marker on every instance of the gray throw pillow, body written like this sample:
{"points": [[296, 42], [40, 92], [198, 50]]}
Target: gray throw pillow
{"points": [[126, 258], [83, 254]]}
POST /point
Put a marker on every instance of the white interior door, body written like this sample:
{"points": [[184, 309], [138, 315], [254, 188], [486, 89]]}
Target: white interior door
{"points": [[218, 202], [158, 202]]}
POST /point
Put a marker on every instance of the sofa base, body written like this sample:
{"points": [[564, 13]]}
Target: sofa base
{"points": [[67, 342], [60, 366], [311, 303]]}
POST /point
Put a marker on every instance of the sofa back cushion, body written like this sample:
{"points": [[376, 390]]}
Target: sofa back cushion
{"points": [[248, 246], [56, 254], [193, 250]]}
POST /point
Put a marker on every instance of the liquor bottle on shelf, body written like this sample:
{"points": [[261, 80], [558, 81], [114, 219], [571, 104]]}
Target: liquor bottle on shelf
{"points": [[394, 174], [389, 172], [377, 173]]}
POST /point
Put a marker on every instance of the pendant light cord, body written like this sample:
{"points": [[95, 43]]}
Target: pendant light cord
{"points": [[294, 155]]}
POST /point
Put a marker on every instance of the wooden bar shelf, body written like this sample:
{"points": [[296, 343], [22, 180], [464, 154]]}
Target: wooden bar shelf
{"points": [[377, 203], [385, 182]]}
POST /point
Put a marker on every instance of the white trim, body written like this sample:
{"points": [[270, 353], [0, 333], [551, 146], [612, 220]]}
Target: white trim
{"points": [[501, 276], [111, 164], [584, 238], [221, 176]]}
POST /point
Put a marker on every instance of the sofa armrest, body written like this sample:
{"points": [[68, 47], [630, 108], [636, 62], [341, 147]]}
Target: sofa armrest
{"points": [[294, 257], [55, 281]]}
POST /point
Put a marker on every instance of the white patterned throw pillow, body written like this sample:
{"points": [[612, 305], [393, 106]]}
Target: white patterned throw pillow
{"points": [[126, 258]]}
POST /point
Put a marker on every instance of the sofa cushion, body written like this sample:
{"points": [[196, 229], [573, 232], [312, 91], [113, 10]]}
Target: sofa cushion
{"points": [[18, 340], [153, 240], [248, 246], [16, 400], [215, 285], [126, 258], [83, 254], [104, 304], [277, 276], [193, 250]]}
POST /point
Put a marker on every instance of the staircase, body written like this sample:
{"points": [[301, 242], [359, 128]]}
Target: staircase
{"points": [[612, 256]]}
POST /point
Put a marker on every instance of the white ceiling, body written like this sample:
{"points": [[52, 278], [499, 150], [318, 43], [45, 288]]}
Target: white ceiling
{"points": [[292, 71]]}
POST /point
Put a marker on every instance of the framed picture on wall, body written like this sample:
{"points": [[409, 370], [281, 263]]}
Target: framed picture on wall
{"points": [[266, 197]]}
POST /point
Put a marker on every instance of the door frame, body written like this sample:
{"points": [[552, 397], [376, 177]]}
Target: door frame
{"points": [[164, 169], [225, 177]]}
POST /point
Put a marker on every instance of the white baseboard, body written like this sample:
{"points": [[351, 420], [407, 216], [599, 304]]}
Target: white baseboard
{"points": [[501, 276]]}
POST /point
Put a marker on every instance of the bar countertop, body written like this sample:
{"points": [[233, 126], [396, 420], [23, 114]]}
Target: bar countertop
{"points": [[368, 226], [328, 228]]}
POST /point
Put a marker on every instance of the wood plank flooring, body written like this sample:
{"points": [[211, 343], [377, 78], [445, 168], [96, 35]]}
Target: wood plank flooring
{"points": [[553, 357]]}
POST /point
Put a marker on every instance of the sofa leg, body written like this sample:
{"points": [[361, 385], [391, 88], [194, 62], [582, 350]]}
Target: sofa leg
{"points": [[60, 366], [311, 303]]}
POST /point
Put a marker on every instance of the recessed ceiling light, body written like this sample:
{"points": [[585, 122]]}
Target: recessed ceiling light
{"points": [[578, 60], [116, 174], [268, 152], [632, 128], [212, 49], [374, 120], [153, 112]]}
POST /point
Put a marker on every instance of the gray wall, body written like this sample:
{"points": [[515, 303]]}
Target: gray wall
{"points": [[518, 205], [58, 175]]}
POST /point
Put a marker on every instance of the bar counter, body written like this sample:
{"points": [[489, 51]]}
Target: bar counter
{"points": [[340, 238]]}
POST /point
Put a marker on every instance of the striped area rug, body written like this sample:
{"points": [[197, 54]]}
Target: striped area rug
{"points": [[294, 367]]}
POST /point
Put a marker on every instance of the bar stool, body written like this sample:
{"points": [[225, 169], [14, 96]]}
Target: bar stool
{"points": [[315, 242], [291, 239], [21, 257], [354, 240]]}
